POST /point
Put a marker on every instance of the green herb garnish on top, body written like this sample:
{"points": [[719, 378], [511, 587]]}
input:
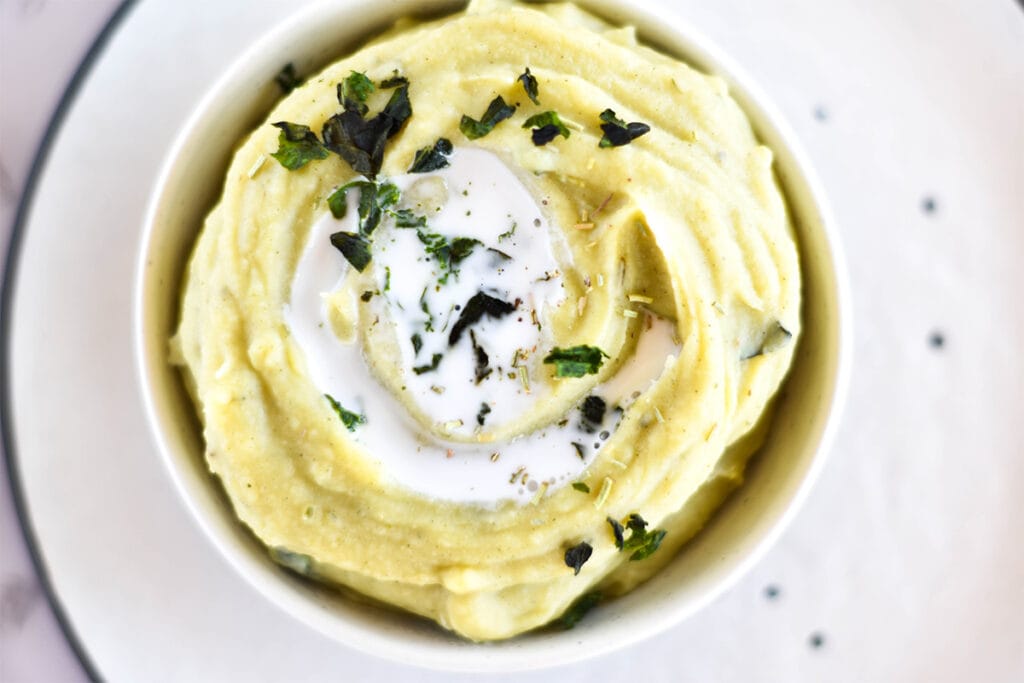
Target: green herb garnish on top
{"points": [[579, 609], [287, 79], [351, 420], [354, 91], [641, 543], [617, 132], [529, 82], [577, 556], [297, 145], [432, 158], [497, 111], [576, 361], [546, 127]]}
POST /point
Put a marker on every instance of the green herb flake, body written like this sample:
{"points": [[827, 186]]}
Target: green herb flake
{"points": [[581, 450], [394, 81], [417, 343], [387, 278], [297, 145], [576, 361], [578, 609], [497, 111], [405, 218], [578, 555], [581, 487], [297, 562], [351, 420], [529, 82], [354, 247], [287, 79], [481, 415], [617, 132], [508, 233], [360, 141], [477, 307], [435, 360], [546, 127], [432, 158], [354, 90], [641, 543]]}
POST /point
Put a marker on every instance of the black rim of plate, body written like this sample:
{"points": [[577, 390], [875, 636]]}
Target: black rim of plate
{"points": [[64, 104]]}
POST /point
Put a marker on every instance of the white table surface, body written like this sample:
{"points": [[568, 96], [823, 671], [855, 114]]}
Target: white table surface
{"points": [[906, 563]]}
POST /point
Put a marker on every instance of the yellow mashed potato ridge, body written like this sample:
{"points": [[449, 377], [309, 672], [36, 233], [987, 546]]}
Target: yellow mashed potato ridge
{"points": [[695, 222]]}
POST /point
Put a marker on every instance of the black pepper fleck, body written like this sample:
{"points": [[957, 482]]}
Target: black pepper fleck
{"points": [[936, 340], [771, 592], [820, 113], [929, 205], [816, 640]]}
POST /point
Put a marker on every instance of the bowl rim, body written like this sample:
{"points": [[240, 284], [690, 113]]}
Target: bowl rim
{"points": [[686, 43]]}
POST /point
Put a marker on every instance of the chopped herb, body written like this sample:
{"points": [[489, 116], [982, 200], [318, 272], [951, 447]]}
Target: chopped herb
{"points": [[435, 360], [581, 487], [351, 420], [447, 254], [593, 409], [617, 132], [405, 218], [641, 543], [366, 296], [576, 361], [508, 233], [353, 91], [432, 158], [297, 145], [579, 609], [354, 247], [476, 308], [429, 323], [529, 82], [482, 369], [617, 531], [578, 555], [481, 415], [387, 278], [394, 81], [360, 141], [497, 111], [581, 450], [417, 343], [500, 254], [287, 79], [374, 199], [546, 127]]}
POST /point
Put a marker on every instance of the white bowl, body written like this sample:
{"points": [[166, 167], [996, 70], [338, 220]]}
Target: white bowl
{"points": [[740, 532]]}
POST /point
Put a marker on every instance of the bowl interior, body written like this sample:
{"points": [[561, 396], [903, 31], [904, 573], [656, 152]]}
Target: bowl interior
{"points": [[777, 478]]}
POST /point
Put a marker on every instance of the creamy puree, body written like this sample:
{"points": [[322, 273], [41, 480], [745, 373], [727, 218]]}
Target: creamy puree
{"points": [[495, 388]]}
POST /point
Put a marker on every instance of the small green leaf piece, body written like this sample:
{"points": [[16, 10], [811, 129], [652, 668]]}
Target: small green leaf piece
{"points": [[432, 158], [581, 487], [287, 79], [546, 127], [576, 361], [529, 82], [578, 555], [354, 247], [297, 146], [353, 91], [617, 132], [350, 419], [579, 609], [497, 111], [435, 360]]}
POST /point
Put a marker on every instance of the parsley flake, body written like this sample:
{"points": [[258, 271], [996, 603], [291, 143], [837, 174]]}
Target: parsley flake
{"points": [[481, 415], [476, 308], [432, 158], [546, 127], [497, 111], [351, 420], [360, 141], [529, 82], [435, 360], [353, 91], [576, 361], [578, 555], [287, 79], [617, 132], [354, 247], [581, 487], [641, 543], [297, 145]]}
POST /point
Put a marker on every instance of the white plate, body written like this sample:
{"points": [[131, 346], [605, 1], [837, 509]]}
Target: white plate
{"points": [[906, 558]]}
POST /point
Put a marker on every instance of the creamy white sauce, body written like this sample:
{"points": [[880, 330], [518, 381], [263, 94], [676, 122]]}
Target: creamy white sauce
{"points": [[456, 458]]}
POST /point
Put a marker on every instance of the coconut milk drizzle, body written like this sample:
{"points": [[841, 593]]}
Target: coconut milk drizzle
{"points": [[448, 454]]}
